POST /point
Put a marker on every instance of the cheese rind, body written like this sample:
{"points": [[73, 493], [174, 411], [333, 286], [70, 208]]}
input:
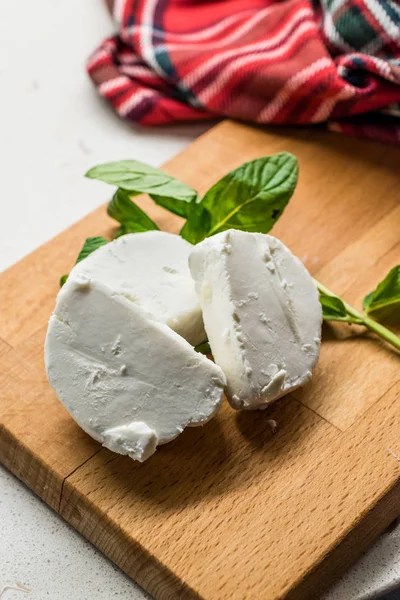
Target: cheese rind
{"points": [[130, 382], [261, 312], [151, 269]]}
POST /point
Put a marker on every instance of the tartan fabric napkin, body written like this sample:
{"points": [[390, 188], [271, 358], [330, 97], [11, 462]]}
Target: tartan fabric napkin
{"points": [[267, 61]]}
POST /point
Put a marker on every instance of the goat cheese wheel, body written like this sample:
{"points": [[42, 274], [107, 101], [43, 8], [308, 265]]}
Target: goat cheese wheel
{"points": [[151, 269], [261, 313], [129, 381]]}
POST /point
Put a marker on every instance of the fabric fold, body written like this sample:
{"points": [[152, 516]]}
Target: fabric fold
{"points": [[285, 62]]}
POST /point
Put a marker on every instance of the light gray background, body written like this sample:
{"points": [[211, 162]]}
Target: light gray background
{"points": [[53, 127]]}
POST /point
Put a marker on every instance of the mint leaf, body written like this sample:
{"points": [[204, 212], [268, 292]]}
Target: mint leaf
{"points": [[250, 198], [385, 299], [122, 230], [137, 177], [125, 211], [196, 226], [91, 244], [203, 348], [174, 205], [367, 300], [334, 309]]}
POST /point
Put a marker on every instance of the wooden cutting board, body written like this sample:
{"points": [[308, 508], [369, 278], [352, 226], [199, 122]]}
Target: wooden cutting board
{"points": [[231, 510]]}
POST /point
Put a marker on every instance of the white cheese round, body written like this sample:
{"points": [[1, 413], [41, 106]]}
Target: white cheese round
{"points": [[130, 382], [151, 269], [261, 313]]}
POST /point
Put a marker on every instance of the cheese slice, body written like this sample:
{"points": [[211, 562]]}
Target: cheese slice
{"points": [[261, 312], [130, 382], [151, 269]]}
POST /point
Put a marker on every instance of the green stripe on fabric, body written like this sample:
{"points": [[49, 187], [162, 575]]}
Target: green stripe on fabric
{"points": [[354, 28]]}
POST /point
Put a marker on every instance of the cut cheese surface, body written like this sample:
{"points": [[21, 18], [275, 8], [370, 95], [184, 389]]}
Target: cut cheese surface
{"points": [[261, 312], [151, 269], [130, 382]]}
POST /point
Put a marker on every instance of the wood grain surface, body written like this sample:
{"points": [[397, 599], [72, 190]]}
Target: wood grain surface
{"points": [[231, 510]]}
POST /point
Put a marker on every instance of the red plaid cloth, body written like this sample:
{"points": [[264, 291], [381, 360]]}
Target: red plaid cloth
{"points": [[268, 61]]}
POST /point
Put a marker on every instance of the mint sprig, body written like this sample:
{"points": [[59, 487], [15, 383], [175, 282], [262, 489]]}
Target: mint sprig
{"points": [[250, 198], [348, 314], [333, 307]]}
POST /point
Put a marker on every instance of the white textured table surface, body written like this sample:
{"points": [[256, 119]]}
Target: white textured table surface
{"points": [[53, 128]]}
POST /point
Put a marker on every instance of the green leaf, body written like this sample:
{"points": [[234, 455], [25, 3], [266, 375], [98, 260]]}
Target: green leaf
{"points": [[367, 300], [178, 207], [122, 230], [333, 309], [250, 198], [203, 348], [125, 211], [385, 299], [196, 225], [137, 177], [90, 245]]}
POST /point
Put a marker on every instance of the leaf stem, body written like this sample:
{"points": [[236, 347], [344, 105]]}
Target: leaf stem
{"points": [[362, 319], [203, 348]]}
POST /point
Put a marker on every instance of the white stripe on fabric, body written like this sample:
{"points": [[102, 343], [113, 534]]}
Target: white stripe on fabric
{"points": [[146, 36], [147, 47], [198, 35], [219, 82], [96, 57], [373, 46], [282, 97], [242, 29], [330, 28], [112, 84], [384, 68], [394, 6], [383, 19], [326, 107], [118, 10], [129, 59], [334, 36], [199, 73], [136, 98]]}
